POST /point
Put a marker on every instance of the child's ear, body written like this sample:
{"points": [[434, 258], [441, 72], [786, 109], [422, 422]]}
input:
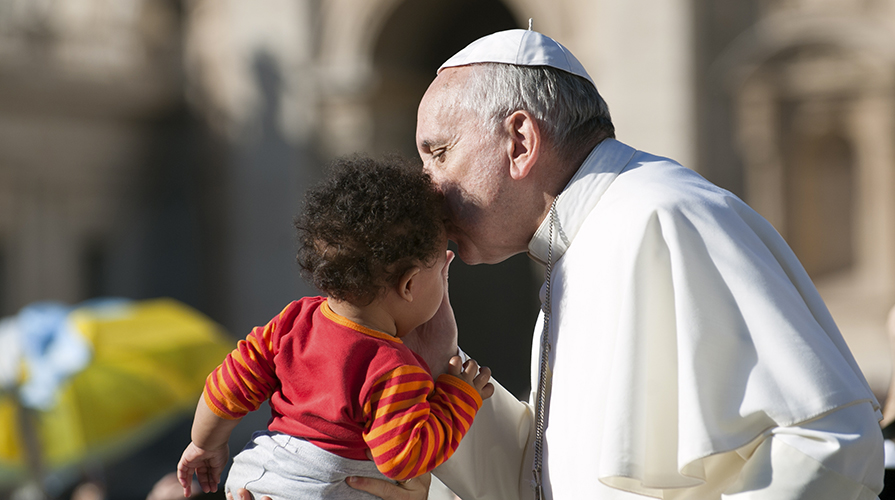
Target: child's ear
{"points": [[406, 283]]}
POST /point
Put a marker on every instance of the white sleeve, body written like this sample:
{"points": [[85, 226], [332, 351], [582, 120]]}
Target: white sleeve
{"points": [[838, 456], [493, 458]]}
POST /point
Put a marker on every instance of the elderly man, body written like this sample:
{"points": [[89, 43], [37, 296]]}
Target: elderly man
{"points": [[682, 351]]}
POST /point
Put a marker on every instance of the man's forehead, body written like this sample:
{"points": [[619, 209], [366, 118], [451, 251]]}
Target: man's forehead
{"points": [[431, 128], [443, 96], [448, 81]]}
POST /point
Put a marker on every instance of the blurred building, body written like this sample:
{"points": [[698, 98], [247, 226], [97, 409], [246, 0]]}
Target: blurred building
{"points": [[161, 147]]}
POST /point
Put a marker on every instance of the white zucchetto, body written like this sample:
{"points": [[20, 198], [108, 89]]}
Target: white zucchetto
{"points": [[521, 48]]}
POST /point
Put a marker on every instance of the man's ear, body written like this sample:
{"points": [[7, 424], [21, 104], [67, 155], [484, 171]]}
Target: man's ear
{"points": [[525, 143], [405, 286]]}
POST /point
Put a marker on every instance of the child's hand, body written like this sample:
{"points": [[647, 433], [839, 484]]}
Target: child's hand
{"points": [[473, 375], [206, 464]]}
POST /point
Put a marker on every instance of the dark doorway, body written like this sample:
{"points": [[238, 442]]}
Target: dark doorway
{"points": [[496, 306]]}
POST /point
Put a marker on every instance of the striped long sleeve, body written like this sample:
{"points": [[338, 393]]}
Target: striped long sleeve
{"points": [[346, 389], [415, 424], [247, 376]]}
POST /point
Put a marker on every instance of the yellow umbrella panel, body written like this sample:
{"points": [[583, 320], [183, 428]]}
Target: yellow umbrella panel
{"points": [[150, 360]]}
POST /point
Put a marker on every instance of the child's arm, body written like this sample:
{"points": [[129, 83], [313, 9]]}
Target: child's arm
{"points": [[208, 453], [245, 379], [415, 424]]}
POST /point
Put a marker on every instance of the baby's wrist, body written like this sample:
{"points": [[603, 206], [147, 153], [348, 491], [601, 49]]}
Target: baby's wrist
{"points": [[462, 385]]}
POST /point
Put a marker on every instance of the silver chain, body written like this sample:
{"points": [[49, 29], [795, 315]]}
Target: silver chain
{"points": [[541, 403]]}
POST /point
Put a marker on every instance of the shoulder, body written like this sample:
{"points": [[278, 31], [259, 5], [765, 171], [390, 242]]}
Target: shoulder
{"points": [[653, 187], [298, 311], [385, 362], [657, 196], [389, 355], [299, 315], [659, 182]]}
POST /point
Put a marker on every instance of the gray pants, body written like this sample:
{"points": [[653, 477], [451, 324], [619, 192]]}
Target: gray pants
{"points": [[285, 467]]}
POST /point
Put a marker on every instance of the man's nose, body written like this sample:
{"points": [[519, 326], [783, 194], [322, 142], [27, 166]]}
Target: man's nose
{"points": [[433, 175]]}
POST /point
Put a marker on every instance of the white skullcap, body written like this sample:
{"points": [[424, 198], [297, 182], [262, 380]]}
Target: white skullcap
{"points": [[521, 48]]}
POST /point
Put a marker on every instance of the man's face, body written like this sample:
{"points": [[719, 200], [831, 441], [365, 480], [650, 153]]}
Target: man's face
{"points": [[471, 167]]}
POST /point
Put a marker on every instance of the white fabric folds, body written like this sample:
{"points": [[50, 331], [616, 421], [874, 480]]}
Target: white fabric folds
{"points": [[688, 328]]}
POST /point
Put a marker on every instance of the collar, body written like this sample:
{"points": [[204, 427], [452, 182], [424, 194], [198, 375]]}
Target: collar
{"points": [[579, 197], [342, 320]]}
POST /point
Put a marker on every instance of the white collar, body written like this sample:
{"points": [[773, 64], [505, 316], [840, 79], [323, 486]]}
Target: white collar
{"points": [[579, 197]]}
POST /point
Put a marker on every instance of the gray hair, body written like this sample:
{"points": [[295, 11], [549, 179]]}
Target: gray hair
{"points": [[569, 110]]}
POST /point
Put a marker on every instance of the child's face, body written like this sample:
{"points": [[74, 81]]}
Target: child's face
{"points": [[431, 284]]}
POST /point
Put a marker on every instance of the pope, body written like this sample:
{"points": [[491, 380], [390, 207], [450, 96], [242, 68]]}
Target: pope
{"points": [[682, 352]]}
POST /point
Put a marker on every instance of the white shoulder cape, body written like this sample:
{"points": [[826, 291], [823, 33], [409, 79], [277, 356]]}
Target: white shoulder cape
{"points": [[688, 327]]}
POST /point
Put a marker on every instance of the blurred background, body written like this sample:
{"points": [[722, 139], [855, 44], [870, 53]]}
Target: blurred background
{"points": [[161, 148]]}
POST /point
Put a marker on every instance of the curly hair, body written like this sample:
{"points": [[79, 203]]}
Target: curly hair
{"points": [[365, 225]]}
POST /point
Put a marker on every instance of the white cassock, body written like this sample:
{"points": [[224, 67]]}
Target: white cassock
{"points": [[692, 357]]}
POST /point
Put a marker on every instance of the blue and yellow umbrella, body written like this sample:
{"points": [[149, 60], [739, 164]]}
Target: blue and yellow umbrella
{"points": [[145, 365]]}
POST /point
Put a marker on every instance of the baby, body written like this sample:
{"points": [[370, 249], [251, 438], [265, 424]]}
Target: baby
{"points": [[347, 397]]}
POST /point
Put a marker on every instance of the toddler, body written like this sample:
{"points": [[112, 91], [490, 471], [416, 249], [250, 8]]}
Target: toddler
{"points": [[347, 397]]}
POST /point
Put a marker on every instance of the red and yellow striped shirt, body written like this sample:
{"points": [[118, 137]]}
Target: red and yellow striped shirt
{"points": [[345, 388]]}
